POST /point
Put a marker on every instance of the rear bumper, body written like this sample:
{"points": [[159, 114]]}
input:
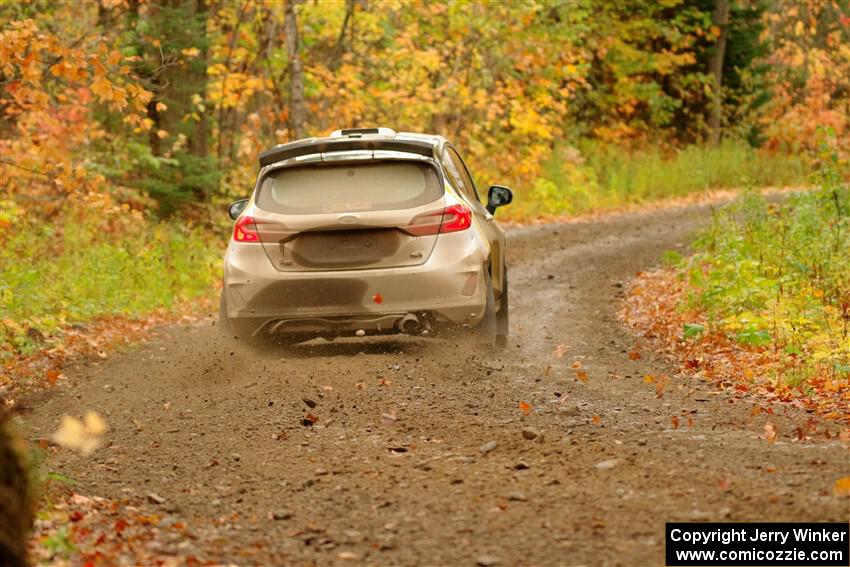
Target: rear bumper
{"points": [[449, 286]]}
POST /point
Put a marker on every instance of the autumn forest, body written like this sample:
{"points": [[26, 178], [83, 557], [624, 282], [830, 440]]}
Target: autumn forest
{"points": [[128, 126]]}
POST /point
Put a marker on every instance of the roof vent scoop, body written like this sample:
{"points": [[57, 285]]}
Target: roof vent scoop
{"points": [[358, 132]]}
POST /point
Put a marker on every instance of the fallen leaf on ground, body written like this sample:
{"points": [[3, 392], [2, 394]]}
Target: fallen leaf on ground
{"points": [[525, 408], [659, 387], [651, 310], [842, 486], [52, 376], [770, 433]]}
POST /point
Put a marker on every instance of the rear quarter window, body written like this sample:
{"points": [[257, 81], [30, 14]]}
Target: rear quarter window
{"points": [[352, 187]]}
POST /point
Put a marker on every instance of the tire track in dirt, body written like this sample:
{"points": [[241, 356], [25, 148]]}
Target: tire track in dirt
{"points": [[393, 473]]}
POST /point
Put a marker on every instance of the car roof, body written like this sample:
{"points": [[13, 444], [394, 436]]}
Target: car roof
{"points": [[375, 139]]}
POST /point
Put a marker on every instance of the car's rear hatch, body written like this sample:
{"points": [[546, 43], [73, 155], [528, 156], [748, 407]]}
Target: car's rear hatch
{"points": [[347, 216]]}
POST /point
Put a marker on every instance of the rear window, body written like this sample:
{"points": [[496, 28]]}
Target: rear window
{"points": [[311, 189]]}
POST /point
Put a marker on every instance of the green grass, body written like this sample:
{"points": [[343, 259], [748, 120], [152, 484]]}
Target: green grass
{"points": [[595, 177], [778, 274], [57, 274]]}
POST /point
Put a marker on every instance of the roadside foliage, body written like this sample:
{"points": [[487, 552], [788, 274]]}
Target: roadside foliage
{"points": [[764, 304]]}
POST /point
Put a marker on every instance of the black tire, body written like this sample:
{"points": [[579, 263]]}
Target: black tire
{"points": [[503, 329]]}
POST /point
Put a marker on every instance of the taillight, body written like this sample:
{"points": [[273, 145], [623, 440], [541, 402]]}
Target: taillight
{"points": [[451, 219], [245, 230], [455, 218]]}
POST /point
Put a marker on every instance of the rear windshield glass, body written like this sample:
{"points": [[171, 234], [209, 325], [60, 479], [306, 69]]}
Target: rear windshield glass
{"points": [[325, 188]]}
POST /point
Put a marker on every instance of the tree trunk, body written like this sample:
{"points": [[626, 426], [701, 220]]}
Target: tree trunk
{"points": [[153, 134], [715, 69], [199, 141], [339, 48], [150, 80], [297, 114], [15, 505]]}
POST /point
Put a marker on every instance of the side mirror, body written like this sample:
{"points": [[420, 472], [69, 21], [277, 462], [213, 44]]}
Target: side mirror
{"points": [[498, 196], [235, 209]]}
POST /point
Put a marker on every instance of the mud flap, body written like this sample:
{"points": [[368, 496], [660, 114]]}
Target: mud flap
{"points": [[488, 328], [502, 317], [224, 328]]}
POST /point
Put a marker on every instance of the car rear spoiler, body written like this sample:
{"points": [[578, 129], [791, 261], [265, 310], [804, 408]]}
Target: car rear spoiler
{"points": [[314, 146]]}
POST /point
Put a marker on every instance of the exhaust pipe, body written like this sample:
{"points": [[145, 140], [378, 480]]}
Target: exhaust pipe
{"points": [[408, 324]]}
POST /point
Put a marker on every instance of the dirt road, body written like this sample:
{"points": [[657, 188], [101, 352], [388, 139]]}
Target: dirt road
{"points": [[418, 456]]}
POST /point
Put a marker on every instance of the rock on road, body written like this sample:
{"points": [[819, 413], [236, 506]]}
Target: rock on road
{"points": [[421, 455]]}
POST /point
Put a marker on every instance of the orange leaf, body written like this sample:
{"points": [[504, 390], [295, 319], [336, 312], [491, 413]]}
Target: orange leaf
{"points": [[596, 420], [52, 376], [659, 387], [581, 375], [675, 421], [102, 88], [525, 408], [648, 379], [634, 355], [576, 364], [842, 486]]}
